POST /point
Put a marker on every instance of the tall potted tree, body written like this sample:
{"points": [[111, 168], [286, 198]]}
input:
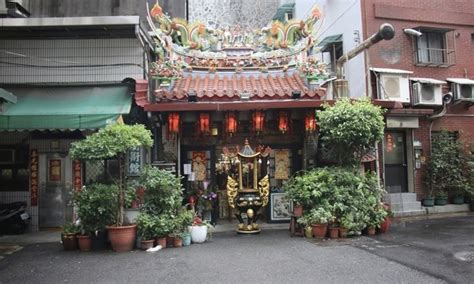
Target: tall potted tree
{"points": [[113, 142]]}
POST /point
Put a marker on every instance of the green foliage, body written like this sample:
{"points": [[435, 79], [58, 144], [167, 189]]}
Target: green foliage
{"points": [[376, 216], [111, 141], [146, 224], [96, 206], [318, 215], [163, 191], [446, 166], [70, 229], [349, 129], [183, 219], [348, 196]]}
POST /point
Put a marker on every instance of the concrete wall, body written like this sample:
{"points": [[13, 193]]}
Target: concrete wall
{"points": [[222, 13], [341, 17]]}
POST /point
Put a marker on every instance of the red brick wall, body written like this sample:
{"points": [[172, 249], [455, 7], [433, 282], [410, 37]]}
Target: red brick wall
{"points": [[398, 53]]}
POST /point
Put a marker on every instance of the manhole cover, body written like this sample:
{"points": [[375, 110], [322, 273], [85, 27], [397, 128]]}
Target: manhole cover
{"points": [[465, 256]]}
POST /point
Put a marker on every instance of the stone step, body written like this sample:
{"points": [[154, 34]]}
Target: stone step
{"points": [[401, 197], [406, 206], [448, 208], [409, 213]]}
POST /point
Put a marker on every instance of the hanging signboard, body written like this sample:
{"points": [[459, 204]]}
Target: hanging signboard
{"points": [[134, 162], [54, 170], [34, 177], [77, 174]]}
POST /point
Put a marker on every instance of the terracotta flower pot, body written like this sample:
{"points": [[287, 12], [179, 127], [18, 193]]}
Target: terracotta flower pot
{"points": [[370, 231], [343, 232], [122, 238], [385, 225], [69, 241], [334, 232], [298, 211], [178, 242], [319, 230], [161, 241], [146, 244], [85, 242]]}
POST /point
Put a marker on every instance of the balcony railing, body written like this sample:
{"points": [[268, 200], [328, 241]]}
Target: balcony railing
{"points": [[435, 57]]}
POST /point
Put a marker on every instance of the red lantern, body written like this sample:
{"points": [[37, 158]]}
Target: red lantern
{"points": [[173, 122], [204, 122], [231, 123], [310, 123], [283, 121], [258, 118]]}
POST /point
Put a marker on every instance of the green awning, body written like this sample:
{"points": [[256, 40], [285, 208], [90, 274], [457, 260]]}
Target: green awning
{"points": [[327, 41], [65, 108]]}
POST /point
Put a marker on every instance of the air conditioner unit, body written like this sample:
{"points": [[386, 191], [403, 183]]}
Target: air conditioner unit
{"points": [[463, 92], [427, 94], [394, 87]]}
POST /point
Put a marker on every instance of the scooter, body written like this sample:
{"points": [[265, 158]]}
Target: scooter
{"points": [[13, 218]]}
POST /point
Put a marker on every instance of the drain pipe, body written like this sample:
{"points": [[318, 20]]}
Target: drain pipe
{"points": [[341, 89], [447, 98]]}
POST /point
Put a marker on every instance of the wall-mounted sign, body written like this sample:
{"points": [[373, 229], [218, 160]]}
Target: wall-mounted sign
{"points": [[54, 170], [77, 174], [134, 162], [34, 177]]}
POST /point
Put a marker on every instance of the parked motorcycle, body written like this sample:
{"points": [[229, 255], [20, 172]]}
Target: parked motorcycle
{"points": [[13, 218]]}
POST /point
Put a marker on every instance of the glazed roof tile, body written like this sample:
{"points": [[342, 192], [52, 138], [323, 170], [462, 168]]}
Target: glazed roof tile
{"points": [[212, 87]]}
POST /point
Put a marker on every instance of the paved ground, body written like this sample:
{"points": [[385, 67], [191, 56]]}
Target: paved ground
{"points": [[427, 251]]}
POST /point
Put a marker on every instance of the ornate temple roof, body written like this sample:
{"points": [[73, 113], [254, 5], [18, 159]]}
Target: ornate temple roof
{"points": [[233, 67], [264, 86]]}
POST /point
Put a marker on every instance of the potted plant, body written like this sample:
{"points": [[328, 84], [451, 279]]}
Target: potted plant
{"points": [[318, 218], [132, 203], [376, 217], [183, 220], [446, 167], [68, 236], [95, 205], [145, 227], [199, 230], [114, 141]]}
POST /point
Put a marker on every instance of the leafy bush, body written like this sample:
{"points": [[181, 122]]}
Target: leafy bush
{"points": [[96, 206], [163, 191], [349, 129], [348, 196], [113, 141], [316, 216], [445, 166], [146, 226], [70, 229]]}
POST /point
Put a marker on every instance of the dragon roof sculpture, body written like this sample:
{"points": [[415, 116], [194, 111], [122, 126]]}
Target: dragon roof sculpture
{"points": [[195, 45]]}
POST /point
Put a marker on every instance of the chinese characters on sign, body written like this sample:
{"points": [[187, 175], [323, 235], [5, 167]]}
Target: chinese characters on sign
{"points": [[134, 162], [34, 177], [77, 174], [54, 170]]}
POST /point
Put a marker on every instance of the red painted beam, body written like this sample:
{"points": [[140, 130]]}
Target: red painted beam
{"points": [[236, 105]]}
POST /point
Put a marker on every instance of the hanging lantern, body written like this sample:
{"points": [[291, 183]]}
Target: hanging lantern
{"points": [[258, 119], [310, 122], [283, 121], [173, 122], [231, 123], [204, 122]]}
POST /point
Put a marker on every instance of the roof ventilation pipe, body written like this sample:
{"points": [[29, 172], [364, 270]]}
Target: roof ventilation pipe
{"points": [[386, 32]]}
